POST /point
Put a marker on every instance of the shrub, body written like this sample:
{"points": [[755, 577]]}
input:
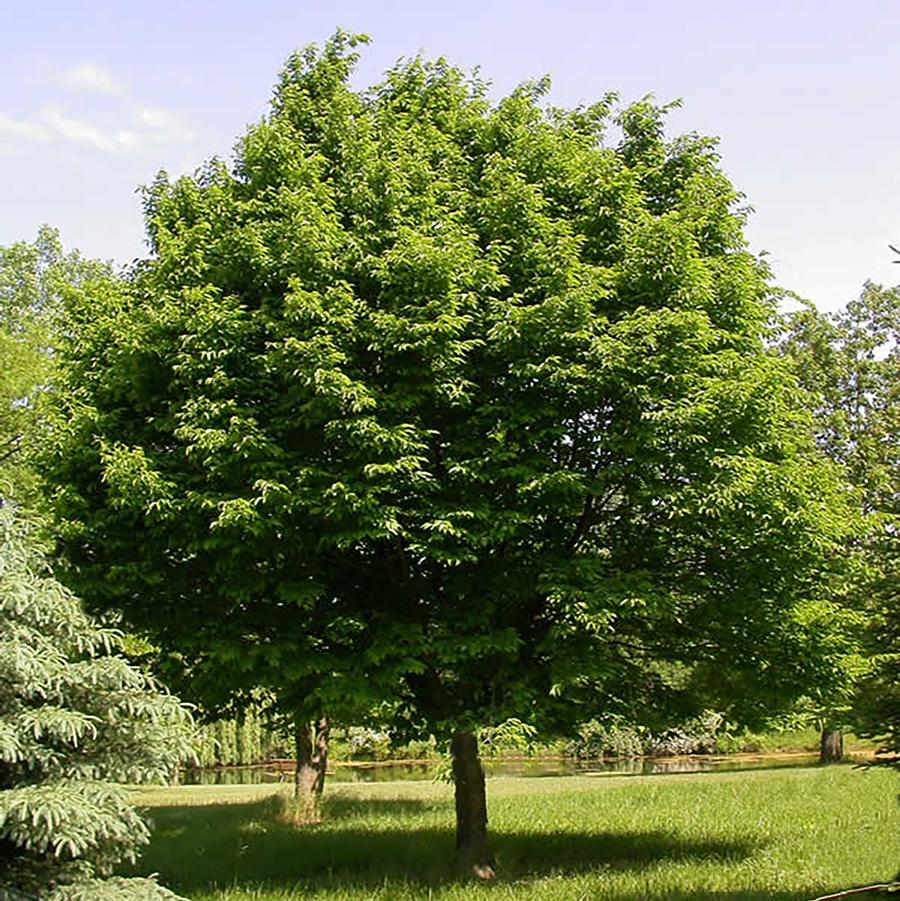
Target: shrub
{"points": [[609, 738], [368, 744], [699, 735]]}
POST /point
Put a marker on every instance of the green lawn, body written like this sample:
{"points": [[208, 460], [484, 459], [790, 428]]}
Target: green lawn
{"points": [[766, 835]]}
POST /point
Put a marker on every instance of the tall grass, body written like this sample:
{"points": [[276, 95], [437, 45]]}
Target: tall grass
{"points": [[778, 835]]}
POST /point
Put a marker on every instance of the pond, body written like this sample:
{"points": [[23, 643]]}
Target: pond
{"points": [[393, 771]]}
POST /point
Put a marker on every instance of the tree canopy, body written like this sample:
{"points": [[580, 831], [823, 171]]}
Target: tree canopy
{"points": [[456, 404], [850, 364]]}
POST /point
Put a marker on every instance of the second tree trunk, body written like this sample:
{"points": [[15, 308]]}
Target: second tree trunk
{"points": [[831, 749], [471, 807], [311, 748]]}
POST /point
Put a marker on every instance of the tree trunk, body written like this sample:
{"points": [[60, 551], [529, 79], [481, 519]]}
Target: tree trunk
{"points": [[831, 750], [320, 752], [471, 807], [311, 751]]}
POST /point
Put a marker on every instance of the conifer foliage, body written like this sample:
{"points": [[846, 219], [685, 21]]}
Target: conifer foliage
{"points": [[75, 718]]}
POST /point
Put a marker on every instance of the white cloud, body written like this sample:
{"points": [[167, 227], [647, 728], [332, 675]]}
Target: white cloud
{"points": [[128, 138], [90, 77], [81, 132], [32, 131], [121, 125], [167, 125], [156, 117]]}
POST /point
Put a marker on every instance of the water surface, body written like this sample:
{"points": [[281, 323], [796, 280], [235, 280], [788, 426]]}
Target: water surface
{"points": [[390, 771]]}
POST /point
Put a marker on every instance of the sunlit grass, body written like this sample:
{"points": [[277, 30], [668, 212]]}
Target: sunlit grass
{"points": [[779, 835]]}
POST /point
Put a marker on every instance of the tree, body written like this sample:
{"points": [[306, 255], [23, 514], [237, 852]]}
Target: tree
{"points": [[221, 683], [32, 277], [877, 709], [850, 364], [455, 407], [74, 718]]}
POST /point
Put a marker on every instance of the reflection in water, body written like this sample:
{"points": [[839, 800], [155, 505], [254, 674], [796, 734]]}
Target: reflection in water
{"points": [[393, 772]]}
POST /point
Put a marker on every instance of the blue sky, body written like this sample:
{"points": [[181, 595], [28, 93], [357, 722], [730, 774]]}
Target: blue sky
{"points": [[95, 97]]}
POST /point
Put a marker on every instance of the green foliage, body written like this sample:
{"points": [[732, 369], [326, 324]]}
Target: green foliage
{"points": [[850, 364], [33, 277], [367, 744], [249, 744], [455, 405], [878, 699], [235, 741], [706, 733], [74, 719], [611, 738], [355, 743], [510, 735], [699, 735]]}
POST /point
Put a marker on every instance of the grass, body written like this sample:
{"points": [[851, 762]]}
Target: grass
{"points": [[765, 835]]}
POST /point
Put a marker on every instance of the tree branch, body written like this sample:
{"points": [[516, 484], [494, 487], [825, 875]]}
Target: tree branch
{"points": [[15, 445]]}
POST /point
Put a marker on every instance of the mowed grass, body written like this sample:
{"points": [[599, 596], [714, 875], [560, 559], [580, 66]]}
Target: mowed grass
{"points": [[765, 835]]}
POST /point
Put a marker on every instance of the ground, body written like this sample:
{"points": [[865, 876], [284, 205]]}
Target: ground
{"points": [[767, 835]]}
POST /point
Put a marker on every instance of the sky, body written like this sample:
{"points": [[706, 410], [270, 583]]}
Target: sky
{"points": [[96, 97]]}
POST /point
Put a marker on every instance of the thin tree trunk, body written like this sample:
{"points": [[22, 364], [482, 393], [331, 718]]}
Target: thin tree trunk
{"points": [[471, 807], [831, 749], [320, 752]]}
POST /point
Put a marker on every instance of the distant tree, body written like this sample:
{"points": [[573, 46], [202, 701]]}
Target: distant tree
{"points": [[453, 407], [33, 276], [849, 362], [877, 709], [74, 719]]}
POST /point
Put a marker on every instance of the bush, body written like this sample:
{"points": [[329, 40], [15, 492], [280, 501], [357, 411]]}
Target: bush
{"points": [[74, 718], [609, 738], [417, 750], [699, 735], [368, 744], [744, 742]]}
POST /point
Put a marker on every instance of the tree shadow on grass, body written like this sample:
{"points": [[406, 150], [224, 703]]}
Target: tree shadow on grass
{"points": [[367, 844], [338, 807], [540, 853], [744, 895]]}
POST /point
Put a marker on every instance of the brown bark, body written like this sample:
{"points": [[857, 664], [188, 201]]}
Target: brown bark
{"points": [[320, 752], [311, 751], [831, 749], [304, 774], [471, 807]]}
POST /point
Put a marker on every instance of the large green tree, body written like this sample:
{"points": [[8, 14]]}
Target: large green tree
{"points": [[460, 406]]}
